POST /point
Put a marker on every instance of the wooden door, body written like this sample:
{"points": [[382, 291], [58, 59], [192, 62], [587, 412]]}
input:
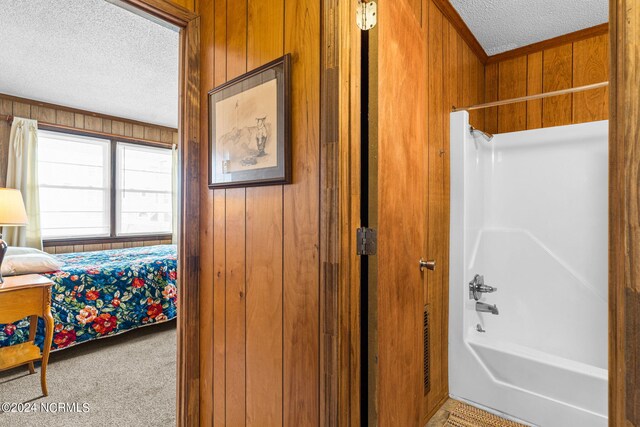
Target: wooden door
{"points": [[398, 72]]}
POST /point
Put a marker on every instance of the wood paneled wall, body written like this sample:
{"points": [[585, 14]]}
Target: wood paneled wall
{"points": [[81, 121], [456, 77], [187, 4], [260, 289], [63, 249], [259, 255], [570, 65]]}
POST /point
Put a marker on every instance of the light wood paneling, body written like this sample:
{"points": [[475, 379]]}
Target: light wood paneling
{"points": [[235, 245], [491, 94], [448, 74], [472, 77], [465, 65], [480, 89], [78, 121], [44, 114], [301, 219], [264, 307], [582, 62], [187, 4], [215, 37], [591, 65], [91, 123], [402, 182], [64, 248], [265, 38], [65, 118], [138, 131], [241, 36], [511, 85], [236, 38], [265, 240], [534, 86], [21, 108], [587, 33], [219, 319], [151, 133], [236, 307], [557, 73], [460, 27], [433, 280]]}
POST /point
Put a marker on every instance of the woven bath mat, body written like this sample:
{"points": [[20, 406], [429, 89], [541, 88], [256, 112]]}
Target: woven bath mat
{"points": [[464, 415]]}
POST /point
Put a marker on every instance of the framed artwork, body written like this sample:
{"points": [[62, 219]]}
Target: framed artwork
{"points": [[249, 119]]}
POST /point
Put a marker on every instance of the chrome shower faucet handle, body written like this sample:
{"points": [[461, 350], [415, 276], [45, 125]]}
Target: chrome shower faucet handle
{"points": [[477, 288]]}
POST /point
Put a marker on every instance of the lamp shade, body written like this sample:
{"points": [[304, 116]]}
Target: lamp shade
{"points": [[12, 211]]}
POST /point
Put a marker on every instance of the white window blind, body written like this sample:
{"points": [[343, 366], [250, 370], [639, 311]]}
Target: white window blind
{"points": [[143, 190], [74, 176]]}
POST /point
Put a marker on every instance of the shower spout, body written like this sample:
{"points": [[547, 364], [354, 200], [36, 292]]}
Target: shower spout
{"points": [[483, 307], [486, 135]]}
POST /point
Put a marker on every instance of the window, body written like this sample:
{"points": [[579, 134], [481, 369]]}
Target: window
{"points": [[75, 188], [100, 188], [144, 197]]}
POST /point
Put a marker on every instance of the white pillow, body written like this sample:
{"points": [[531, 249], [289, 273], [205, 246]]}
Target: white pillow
{"points": [[17, 250], [28, 261]]}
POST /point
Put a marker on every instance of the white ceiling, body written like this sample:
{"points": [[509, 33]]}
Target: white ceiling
{"points": [[91, 55], [502, 25]]}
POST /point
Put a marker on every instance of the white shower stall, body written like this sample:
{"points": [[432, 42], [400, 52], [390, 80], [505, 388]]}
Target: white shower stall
{"points": [[529, 213]]}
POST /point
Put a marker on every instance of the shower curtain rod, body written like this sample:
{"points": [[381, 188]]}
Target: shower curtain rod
{"points": [[531, 97]]}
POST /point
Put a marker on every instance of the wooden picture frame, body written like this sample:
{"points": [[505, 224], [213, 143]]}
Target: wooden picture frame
{"points": [[249, 128]]}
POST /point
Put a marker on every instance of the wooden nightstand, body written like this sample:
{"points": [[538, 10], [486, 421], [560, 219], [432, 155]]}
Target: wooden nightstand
{"points": [[22, 296]]}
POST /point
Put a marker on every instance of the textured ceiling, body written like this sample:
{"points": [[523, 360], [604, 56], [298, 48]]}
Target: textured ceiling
{"points": [[91, 55], [502, 25]]}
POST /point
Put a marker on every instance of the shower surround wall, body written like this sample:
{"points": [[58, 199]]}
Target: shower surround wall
{"points": [[529, 212]]}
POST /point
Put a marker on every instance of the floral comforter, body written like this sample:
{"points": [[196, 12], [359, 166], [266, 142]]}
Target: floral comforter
{"points": [[98, 294]]}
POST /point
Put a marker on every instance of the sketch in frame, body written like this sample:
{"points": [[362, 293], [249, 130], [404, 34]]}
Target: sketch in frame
{"points": [[249, 128]]}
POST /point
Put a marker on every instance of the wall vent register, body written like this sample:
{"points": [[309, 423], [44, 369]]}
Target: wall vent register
{"points": [[427, 353]]}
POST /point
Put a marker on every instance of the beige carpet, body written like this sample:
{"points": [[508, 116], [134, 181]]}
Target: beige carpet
{"points": [[127, 380], [463, 415]]}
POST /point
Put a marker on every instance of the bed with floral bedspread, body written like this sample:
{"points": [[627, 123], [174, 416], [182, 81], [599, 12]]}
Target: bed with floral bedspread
{"points": [[104, 293]]}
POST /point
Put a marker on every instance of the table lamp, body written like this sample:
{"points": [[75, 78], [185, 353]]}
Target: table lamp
{"points": [[12, 214]]}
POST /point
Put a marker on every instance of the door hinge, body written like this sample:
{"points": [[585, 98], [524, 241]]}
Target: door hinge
{"points": [[366, 14], [366, 241]]}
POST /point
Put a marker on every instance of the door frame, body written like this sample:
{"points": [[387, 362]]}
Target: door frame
{"points": [[624, 214], [188, 364], [348, 371]]}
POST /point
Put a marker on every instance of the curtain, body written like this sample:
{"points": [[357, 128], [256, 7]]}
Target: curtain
{"points": [[174, 193], [22, 174]]}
